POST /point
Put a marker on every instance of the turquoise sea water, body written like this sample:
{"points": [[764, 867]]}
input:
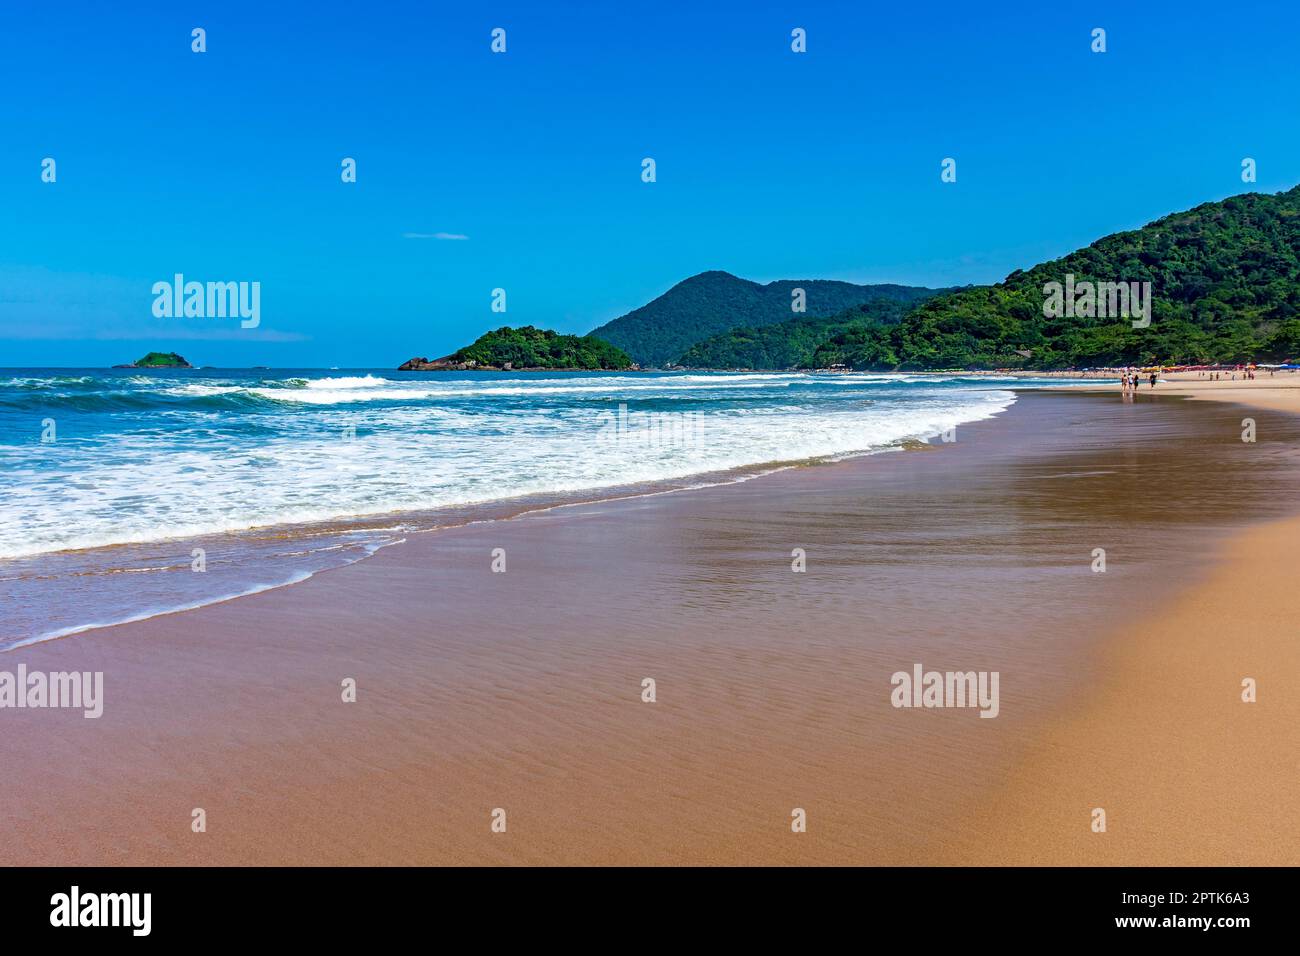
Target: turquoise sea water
{"points": [[113, 481]]}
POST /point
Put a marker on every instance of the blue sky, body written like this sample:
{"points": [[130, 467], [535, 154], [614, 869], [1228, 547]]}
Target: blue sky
{"points": [[225, 165]]}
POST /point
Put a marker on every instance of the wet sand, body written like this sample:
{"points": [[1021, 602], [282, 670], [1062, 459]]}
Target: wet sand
{"points": [[480, 690], [1186, 771]]}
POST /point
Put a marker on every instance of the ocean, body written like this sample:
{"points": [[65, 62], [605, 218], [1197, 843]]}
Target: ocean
{"points": [[129, 493]]}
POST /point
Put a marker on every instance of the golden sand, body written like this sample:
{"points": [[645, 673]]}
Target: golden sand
{"points": [[1280, 392], [523, 691], [1185, 770]]}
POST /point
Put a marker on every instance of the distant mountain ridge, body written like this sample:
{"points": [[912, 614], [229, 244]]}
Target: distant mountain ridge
{"points": [[1216, 283], [710, 303], [794, 343]]}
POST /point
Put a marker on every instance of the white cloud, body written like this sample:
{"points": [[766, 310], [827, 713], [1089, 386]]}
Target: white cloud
{"points": [[433, 235]]}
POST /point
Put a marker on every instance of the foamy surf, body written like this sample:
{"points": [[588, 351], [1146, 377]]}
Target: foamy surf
{"points": [[146, 465]]}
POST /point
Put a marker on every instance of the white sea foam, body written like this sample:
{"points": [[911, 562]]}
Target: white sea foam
{"points": [[364, 381], [185, 457], [420, 443], [144, 614]]}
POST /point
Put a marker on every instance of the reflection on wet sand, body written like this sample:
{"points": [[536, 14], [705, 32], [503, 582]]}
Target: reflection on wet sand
{"points": [[522, 690]]}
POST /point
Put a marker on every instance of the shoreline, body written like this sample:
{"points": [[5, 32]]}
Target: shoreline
{"points": [[1188, 774], [479, 690], [1185, 769], [377, 524], [252, 548]]}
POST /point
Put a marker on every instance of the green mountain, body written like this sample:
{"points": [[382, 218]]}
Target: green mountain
{"points": [[792, 343], [1224, 287], [704, 305], [529, 348]]}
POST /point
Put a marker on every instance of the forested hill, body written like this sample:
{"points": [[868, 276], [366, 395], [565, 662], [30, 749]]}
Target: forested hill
{"points": [[1225, 287], [792, 343], [659, 332], [528, 347]]}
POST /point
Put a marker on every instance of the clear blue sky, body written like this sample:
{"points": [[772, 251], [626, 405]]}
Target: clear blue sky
{"points": [[225, 165]]}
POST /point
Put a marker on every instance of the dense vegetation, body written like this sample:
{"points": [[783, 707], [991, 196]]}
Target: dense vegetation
{"points": [[1225, 285], [710, 303], [162, 360], [529, 347], [793, 343]]}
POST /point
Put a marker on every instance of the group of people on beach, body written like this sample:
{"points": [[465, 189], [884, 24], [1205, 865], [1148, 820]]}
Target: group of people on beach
{"points": [[1247, 373], [1130, 379]]}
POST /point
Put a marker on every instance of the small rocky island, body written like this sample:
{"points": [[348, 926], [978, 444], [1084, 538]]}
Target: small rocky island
{"points": [[158, 360], [528, 349]]}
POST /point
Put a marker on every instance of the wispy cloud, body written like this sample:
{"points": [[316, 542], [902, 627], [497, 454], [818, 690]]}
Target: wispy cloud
{"points": [[433, 235]]}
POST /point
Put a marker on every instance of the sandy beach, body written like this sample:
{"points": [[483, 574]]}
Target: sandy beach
{"points": [[1280, 391], [523, 691], [1186, 771]]}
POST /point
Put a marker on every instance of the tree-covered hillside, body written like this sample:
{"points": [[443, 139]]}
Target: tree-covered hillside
{"points": [[659, 332], [162, 360], [1224, 281], [529, 347], [789, 344]]}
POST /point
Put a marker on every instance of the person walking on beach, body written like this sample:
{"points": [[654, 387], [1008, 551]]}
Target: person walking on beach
{"points": [[1153, 379]]}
